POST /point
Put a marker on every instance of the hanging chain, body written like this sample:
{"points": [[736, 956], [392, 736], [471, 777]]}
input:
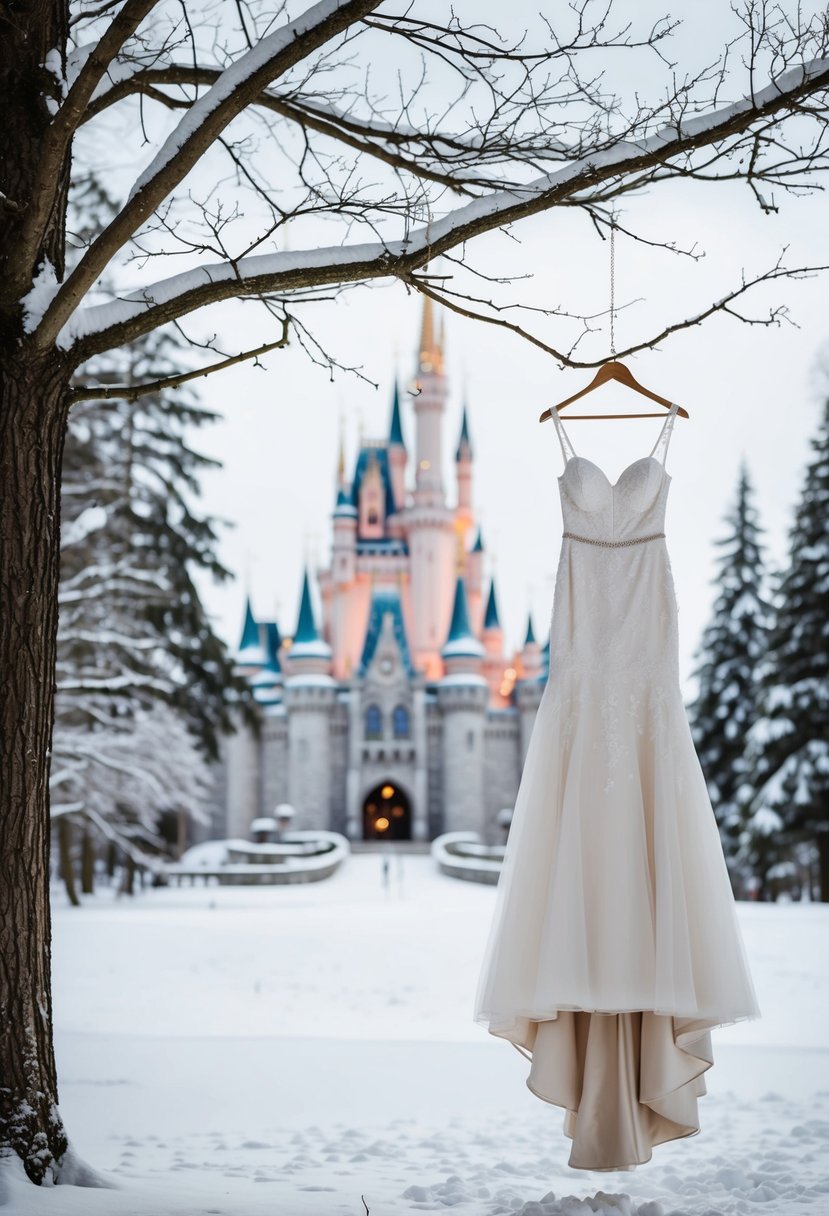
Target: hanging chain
{"points": [[612, 288]]}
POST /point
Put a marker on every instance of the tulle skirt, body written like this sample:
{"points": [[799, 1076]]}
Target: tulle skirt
{"points": [[614, 947]]}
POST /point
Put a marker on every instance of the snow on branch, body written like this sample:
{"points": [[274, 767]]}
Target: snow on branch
{"points": [[236, 88], [100, 327]]}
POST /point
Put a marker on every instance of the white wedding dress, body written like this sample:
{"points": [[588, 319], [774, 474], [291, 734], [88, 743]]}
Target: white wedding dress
{"points": [[614, 947]]}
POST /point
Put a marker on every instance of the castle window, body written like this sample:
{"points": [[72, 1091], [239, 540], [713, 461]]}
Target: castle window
{"points": [[374, 722], [470, 741], [400, 722], [372, 515]]}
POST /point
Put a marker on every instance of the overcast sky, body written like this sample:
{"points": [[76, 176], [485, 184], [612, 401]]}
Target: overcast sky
{"points": [[751, 391]]}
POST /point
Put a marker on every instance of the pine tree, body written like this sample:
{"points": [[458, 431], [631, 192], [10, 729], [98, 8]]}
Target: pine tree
{"points": [[138, 660], [788, 756], [733, 644]]}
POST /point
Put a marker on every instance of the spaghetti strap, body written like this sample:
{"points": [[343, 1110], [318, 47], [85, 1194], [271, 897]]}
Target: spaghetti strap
{"points": [[563, 438], [660, 448]]}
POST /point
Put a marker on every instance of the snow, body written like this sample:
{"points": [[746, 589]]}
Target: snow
{"points": [[39, 296], [90, 520], [279, 1052]]}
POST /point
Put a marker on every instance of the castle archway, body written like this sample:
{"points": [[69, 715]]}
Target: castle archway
{"points": [[387, 813]]}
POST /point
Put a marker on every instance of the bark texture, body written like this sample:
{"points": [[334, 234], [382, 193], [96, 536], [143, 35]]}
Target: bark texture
{"points": [[32, 426]]}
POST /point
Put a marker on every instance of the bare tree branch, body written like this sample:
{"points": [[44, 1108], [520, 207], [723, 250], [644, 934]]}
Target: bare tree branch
{"points": [[233, 91], [98, 328], [132, 392], [451, 300]]}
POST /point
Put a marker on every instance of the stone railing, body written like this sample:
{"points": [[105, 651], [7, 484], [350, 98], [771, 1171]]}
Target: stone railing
{"points": [[304, 856], [461, 855]]}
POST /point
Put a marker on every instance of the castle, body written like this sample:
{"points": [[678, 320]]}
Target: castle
{"points": [[398, 716]]}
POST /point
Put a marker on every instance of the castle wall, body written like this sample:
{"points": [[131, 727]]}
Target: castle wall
{"points": [[274, 744], [502, 771], [309, 707], [242, 773], [463, 707]]}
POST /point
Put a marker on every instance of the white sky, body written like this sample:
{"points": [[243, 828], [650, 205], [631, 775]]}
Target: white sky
{"points": [[750, 391]]}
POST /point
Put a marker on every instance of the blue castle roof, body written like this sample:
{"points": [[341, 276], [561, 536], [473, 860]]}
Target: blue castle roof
{"points": [[478, 547], [385, 600], [307, 643], [251, 653], [396, 429], [461, 641], [464, 437], [491, 617], [382, 455], [530, 635], [272, 643], [306, 629]]}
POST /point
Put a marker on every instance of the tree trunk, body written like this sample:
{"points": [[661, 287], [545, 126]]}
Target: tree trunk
{"points": [[823, 865], [128, 882], [32, 427], [87, 863], [66, 870]]}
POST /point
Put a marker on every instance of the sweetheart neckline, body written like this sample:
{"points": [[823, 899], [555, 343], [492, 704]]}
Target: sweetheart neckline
{"points": [[599, 469]]}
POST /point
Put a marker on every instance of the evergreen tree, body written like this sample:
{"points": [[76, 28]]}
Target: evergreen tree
{"points": [[138, 660], [733, 644], [788, 757]]}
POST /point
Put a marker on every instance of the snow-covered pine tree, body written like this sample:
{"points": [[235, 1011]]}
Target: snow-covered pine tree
{"points": [[788, 756], [133, 630], [733, 643], [138, 660]]}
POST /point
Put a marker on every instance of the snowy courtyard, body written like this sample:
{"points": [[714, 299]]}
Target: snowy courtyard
{"points": [[305, 1050]]}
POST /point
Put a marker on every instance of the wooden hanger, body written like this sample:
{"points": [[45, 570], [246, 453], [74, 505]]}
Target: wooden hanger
{"points": [[613, 371]]}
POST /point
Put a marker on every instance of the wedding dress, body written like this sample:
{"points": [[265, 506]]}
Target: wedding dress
{"points": [[614, 947]]}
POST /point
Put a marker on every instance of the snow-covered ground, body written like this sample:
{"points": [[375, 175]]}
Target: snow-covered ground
{"points": [[310, 1050]]}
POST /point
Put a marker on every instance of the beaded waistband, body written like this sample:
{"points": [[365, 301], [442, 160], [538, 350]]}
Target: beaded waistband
{"points": [[614, 544]]}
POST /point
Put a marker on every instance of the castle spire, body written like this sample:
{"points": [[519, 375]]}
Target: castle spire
{"points": [[307, 647], [491, 620], [464, 446], [251, 652], [341, 457], [461, 640], [396, 429], [306, 630], [431, 348], [530, 634]]}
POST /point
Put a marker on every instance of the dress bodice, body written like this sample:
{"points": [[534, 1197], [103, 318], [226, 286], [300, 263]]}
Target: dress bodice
{"points": [[632, 506]]}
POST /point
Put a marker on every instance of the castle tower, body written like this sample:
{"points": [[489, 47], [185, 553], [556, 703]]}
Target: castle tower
{"points": [[530, 654], [343, 574], [429, 406], [474, 584], [529, 688], [371, 511], [463, 695], [463, 471], [309, 695], [493, 640], [429, 521], [397, 451]]}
